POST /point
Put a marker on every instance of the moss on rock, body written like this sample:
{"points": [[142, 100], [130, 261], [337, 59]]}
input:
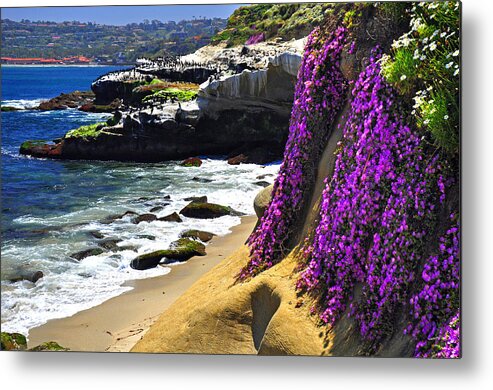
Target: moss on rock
{"points": [[49, 346], [86, 132], [13, 341], [207, 210], [180, 250]]}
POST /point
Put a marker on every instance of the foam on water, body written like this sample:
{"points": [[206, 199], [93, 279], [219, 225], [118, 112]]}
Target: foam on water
{"points": [[23, 104], [70, 286]]}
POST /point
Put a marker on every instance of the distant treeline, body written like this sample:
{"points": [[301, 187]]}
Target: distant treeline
{"points": [[106, 43]]}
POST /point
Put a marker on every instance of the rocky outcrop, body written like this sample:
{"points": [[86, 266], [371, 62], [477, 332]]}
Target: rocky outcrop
{"points": [[67, 100], [197, 235], [204, 210], [245, 113], [180, 250]]}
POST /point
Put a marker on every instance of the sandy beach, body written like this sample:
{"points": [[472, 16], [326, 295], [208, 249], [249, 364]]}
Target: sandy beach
{"points": [[117, 324]]}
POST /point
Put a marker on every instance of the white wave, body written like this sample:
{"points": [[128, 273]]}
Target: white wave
{"points": [[25, 104], [69, 286]]}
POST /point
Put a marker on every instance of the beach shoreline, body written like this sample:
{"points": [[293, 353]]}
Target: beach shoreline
{"points": [[118, 323]]}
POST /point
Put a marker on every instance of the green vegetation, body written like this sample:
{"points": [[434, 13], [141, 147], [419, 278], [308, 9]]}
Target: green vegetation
{"points": [[88, 131], [424, 64], [177, 94], [12, 341], [28, 145], [274, 20], [49, 346], [8, 109]]}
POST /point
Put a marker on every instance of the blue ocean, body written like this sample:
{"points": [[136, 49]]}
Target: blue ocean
{"points": [[52, 209]]}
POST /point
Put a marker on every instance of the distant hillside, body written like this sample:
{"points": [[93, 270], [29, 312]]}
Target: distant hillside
{"points": [[106, 43], [264, 21]]}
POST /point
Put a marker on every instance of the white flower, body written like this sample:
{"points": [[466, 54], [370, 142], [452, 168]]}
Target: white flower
{"points": [[455, 53], [456, 72], [449, 65], [403, 77], [446, 117], [443, 34], [422, 58], [433, 46], [426, 121], [425, 39]]}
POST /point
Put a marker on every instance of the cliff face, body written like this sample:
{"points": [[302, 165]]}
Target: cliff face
{"points": [[365, 261], [243, 108]]}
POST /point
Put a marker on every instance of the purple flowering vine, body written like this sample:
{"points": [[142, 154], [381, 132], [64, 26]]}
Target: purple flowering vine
{"points": [[376, 210], [319, 95], [437, 301]]}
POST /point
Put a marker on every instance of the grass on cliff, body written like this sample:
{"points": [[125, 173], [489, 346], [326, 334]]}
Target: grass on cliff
{"points": [[87, 131], [273, 20], [172, 94]]}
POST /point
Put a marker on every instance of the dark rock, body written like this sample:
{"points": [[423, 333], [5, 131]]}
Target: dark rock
{"points": [[144, 218], [111, 107], [201, 180], [86, 253], [156, 209], [27, 275], [97, 234], [113, 217], [171, 218], [180, 250], [196, 199], [147, 236], [110, 244], [67, 100], [50, 346], [198, 235], [191, 162], [262, 183], [207, 210], [13, 342], [237, 160]]}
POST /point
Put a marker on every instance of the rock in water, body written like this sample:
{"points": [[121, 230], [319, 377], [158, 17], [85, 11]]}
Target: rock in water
{"points": [[262, 183], [237, 160], [262, 200], [207, 210], [86, 253], [196, 199], [180, 250], [144, 218], [171, 218], [192, 162], [28, 275], [198, 235]]}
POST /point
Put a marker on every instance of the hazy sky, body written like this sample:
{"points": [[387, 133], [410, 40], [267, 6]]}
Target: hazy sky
{"points": [[119, 15]]}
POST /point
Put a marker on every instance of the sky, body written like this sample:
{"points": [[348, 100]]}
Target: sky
{"points": [[119, 15]]}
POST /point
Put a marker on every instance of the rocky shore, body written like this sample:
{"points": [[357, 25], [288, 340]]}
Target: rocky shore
{"points": [[219, 101]]}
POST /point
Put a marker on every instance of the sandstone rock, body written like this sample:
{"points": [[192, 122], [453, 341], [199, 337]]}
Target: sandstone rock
{"points": [[67, 100], [262, 200]]}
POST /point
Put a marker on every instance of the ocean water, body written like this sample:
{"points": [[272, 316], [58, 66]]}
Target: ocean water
{"points": [[50, 208]]}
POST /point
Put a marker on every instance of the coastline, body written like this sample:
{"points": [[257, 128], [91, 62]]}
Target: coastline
{"points": [[118, 323]]}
